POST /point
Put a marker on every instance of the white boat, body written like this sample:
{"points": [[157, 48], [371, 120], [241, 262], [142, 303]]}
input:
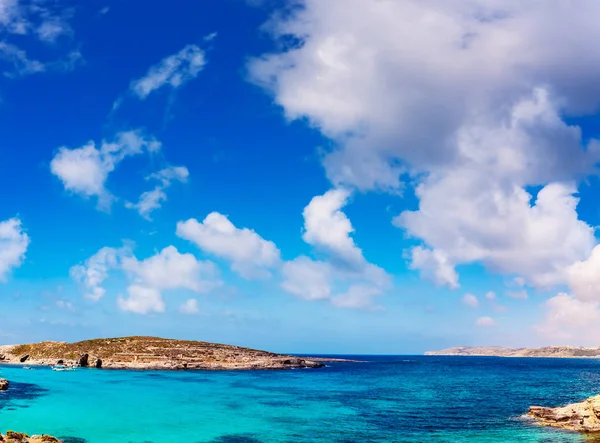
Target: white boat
{"points": [[62, 368], [27, 367]]}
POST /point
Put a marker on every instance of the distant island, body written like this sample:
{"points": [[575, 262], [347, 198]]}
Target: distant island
{"points": [[152, 353], [499, 351]]}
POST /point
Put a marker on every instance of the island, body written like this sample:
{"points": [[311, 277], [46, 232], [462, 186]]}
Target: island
{"points": [[152, 353], [499, 351]]}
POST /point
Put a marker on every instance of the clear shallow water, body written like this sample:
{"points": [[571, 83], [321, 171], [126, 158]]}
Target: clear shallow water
{"points": [[386, 399]]}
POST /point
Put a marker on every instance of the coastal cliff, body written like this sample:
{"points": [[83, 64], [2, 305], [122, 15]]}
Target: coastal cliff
{"points": [[581, 417], [151, 353], [498, 351]]}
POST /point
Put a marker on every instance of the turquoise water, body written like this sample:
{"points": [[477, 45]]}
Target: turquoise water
{"points": [[385, 399]]}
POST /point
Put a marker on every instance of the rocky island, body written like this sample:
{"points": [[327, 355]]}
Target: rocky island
{"points": [[151, 353], [581, 417], [498, 351]]}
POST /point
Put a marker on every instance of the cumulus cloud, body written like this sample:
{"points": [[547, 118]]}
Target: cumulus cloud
{"points": [[327, 227], [307, 278], [13, 245], [346, 279], [149, 201], [470, 300], [250, 255], [434, 265], [149, 278], [575, 318], [172, 72], [84, 170], [466, 100], [95, 270]]}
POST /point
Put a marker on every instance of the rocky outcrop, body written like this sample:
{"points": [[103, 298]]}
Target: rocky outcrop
{"points": [[19, 437], [84, 361], [24, 358], [156, 353], [581, 417], [3, 384]]}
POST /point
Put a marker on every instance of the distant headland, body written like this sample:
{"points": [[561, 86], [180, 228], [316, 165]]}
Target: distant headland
{"points": [[499, 351], [152, 353]]}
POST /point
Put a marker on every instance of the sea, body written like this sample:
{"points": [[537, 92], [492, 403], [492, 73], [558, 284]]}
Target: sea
{"points": [[380, 399]]}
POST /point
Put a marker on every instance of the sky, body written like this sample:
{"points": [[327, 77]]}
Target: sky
{"points": [[349, 176]]}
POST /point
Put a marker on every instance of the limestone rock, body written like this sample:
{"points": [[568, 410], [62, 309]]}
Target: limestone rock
{"points": [[98, 363], [83, 361], [19, 437], [3, 384], [581, 417]]}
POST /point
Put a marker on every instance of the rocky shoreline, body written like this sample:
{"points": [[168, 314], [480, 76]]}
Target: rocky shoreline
{"points": [[19, 437], [499, 351], [581, 417], [153, 353]]}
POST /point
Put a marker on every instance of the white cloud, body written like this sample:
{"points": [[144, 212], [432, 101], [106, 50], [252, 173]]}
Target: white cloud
{"points": [[149, 201], [327, 227], [40, 22], [491, 295], [485, 321], [470, 300], [575, 318], [142, 300], [169, 269], [166, 270], [568, 320], [84, 170], [173, 71], [95, 270], [189, 307], [250, 254], [13, 245], [434, 265], [468, 99], [307, 279], [347, 280]]}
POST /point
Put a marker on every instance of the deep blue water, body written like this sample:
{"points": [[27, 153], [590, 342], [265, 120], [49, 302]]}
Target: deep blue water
{"points": [[384, 399]]}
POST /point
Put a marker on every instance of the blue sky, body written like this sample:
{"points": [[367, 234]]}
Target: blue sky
{"points": [[300, 176]]}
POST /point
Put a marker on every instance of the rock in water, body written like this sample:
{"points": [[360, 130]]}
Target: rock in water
{"points": [[83, 361], [581, 417], [3, 384], [19, 437]]}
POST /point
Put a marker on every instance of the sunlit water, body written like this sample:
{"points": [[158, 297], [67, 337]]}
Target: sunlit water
{"points": [[386, 399]]}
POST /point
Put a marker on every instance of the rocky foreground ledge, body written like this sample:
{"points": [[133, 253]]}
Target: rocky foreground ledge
{"points": [[152, 353], [19, 437], [581, 417]]}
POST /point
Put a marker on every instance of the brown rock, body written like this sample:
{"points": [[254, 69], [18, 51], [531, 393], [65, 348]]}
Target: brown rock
{"points": [[581, 417], [83, 361], [3, 384]]}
